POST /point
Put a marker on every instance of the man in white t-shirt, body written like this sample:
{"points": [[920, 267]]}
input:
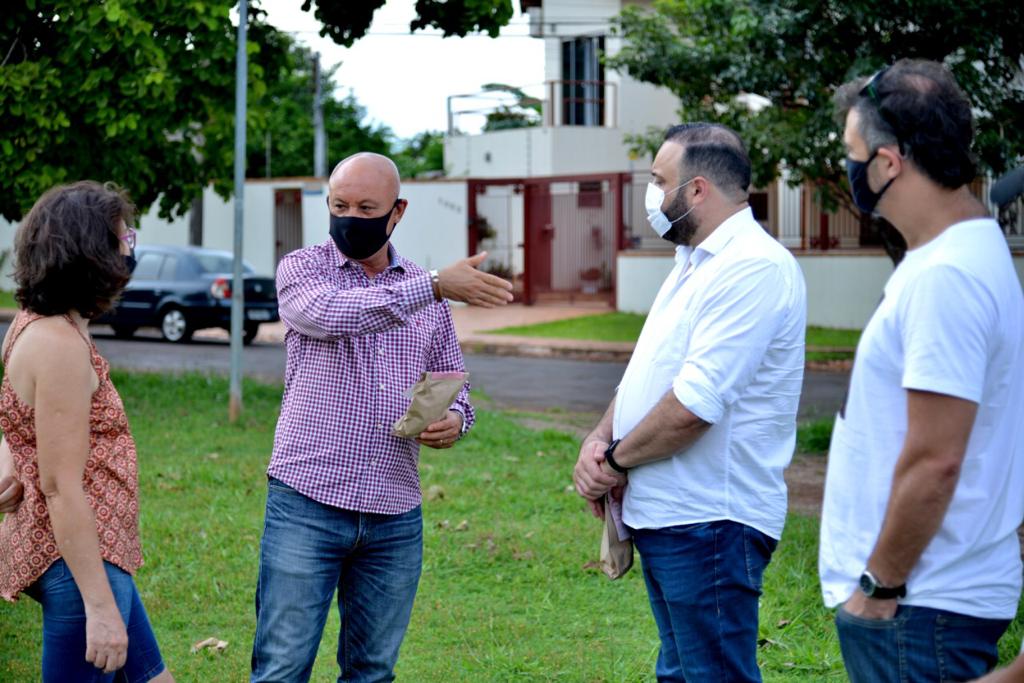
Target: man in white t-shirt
{"points": [[925, 486], [704, 420]]}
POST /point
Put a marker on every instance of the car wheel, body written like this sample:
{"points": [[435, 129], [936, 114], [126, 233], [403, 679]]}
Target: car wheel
{"points": [[174, 326], [123, 331], [250, 334]]}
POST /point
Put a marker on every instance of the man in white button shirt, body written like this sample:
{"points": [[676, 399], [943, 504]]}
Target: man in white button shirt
{"points": [[704, 420], [925, 485]]}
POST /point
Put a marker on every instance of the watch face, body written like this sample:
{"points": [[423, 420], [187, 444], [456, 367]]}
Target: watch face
{"points": [[867, 585]]}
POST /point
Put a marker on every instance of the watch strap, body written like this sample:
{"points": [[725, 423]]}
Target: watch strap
{"points": [[609, 456], [873, 589]]}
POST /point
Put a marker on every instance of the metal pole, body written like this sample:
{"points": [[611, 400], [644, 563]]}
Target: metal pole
{"points": [[238, 284], [319, 136]]}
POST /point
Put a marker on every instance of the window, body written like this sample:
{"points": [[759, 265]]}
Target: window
{"points": [[583, 82], [215, 263], [148, 267], [590, 195], [170, 269]]}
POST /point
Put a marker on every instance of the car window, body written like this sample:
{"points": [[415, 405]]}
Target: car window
{"points": [[170, 269], [216, 263], [148, 267]]}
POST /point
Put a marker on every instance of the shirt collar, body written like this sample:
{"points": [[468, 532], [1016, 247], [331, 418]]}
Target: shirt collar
{"points": [[395, 260], [723, 234]]}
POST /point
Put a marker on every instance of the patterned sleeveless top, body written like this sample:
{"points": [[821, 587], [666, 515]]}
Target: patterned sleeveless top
{"points": [[110, 480]]}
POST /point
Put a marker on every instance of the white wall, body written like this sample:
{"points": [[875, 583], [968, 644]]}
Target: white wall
{"points": [[842, 290], [435, 229], [156, 230], [638, 278], [538, 152]]}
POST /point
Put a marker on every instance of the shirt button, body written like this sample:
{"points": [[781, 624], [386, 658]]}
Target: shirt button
{"points": [[380, 352], [382, 387]]}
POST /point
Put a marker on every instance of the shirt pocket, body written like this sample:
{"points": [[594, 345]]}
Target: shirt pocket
{"points": [[668, 352]]}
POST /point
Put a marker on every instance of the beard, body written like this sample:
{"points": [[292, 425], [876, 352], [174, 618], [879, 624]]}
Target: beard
{"points": [[683, 229]]}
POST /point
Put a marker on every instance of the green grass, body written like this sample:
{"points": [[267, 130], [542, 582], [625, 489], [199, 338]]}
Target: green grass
{"points": [[815, 436], [832, 337], [512, 597], [7, 300], [625, 327], [613, 327]]}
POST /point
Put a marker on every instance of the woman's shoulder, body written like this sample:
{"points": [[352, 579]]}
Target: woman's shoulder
{"points": [[52, 338]]}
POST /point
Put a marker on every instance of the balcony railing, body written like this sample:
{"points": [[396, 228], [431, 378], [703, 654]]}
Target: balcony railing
{"points": [[552, 103]]}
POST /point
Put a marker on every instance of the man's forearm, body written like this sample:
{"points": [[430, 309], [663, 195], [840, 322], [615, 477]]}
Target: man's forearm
{"points": [[603, 430], [921, 493], [667, 429]]}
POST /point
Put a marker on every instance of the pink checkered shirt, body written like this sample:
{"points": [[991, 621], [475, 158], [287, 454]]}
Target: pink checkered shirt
{"points": [[355, 346]]}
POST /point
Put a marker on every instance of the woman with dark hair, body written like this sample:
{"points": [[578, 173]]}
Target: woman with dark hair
{"points": [[67, 455]]}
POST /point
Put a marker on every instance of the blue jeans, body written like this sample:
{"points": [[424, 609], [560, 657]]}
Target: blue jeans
{"points": [[310, 549], [704, 581], [918, 644], [64, 629]]}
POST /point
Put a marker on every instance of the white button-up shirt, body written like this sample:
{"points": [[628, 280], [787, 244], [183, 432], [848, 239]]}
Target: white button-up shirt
{"points": [[726, 336]]}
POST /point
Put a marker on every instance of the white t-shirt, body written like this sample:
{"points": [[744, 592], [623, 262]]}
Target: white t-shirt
{"points": [[726, 335], [951, 321]]}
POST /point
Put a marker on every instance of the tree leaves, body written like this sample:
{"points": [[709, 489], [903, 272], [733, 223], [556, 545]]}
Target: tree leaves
{"points": [[796, 52]]}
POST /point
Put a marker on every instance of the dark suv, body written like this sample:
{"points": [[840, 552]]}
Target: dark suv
{"points": [[184, 289]]}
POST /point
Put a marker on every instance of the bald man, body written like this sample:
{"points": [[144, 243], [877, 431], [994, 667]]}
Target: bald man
{"points": [[343, 501]]}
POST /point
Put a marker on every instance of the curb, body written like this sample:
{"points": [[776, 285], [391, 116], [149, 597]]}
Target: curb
{"points": [[533, 347]]}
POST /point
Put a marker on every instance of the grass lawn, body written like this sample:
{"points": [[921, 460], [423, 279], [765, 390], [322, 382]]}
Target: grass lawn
{"points": [[626, 327], [7, 300], [510, 597], [614, 327]]}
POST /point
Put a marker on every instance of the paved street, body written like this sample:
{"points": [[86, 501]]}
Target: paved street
{"points": [[514, 382]]}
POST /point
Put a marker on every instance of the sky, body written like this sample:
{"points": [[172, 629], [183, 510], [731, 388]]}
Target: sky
{"points": [[402, 79]]}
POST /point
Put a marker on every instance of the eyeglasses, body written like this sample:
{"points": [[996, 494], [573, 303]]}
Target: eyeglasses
{"points": [[129, 237], [870, 91]]}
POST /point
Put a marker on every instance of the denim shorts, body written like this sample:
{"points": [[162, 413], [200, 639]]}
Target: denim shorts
{"points": [[64, 629]]}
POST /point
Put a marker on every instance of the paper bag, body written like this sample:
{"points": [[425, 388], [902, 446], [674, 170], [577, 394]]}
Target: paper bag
{"points": [[616, 541], [431, 397]]}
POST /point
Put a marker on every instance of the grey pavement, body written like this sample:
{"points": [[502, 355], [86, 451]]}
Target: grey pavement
{"points": [[524, 383]]}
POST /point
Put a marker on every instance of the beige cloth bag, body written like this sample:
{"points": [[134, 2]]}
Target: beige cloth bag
{"points": [[431, 397], [616, 541]]}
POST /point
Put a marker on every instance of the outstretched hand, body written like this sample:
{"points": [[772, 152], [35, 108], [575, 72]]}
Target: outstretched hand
{"points": [[463, 281]]}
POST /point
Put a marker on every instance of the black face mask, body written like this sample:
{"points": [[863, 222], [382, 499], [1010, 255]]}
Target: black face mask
{"points": [[361, 238], [130, 262]]}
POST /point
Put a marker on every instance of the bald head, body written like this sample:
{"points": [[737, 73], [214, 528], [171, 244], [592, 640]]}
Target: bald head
{"points": [[370, 165], [365, 185]]}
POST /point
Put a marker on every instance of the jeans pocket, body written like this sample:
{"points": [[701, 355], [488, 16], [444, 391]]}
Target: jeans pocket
{"points": [[757, 553], [878, 624]]}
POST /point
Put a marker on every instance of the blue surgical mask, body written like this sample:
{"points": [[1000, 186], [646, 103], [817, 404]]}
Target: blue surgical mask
{"points": [[864, 197], [653, 200]]}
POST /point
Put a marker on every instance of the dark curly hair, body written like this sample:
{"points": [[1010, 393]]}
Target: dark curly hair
{"points": [[67, 250], [917, 105]]}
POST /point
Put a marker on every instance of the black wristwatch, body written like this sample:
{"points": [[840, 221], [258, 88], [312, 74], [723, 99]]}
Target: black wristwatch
{"points": [[609, 455], [871, 588]]}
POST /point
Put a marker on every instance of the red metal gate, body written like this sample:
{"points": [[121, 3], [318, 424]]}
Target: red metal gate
{"points": [[572, 228]]}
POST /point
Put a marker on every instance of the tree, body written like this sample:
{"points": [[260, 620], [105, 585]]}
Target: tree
{"points": [[133, 91], [345, 21], [796, 52], [141, 92], [422, 155], [283, 117]]}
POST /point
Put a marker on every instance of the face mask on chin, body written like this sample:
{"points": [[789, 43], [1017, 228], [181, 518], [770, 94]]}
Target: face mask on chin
{"points": [[864, 197], [661, 223], [360, 238]]}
